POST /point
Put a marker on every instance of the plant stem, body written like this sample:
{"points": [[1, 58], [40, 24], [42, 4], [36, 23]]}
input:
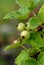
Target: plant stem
{"points": [[34, 14], [23, 47]]}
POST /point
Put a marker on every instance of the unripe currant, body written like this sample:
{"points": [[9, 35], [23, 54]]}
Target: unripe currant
{"points": [[27, 26], [16, 42], [25, 34], [20, 26]]}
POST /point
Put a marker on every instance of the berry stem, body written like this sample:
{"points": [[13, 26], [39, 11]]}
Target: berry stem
{"points": [[34, 14], [23, 47]]}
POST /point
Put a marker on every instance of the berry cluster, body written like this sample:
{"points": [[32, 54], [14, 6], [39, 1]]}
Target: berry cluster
{"points": [[24, 29]]}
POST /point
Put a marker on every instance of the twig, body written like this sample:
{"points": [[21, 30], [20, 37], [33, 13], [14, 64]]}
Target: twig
{"points": [[23, 47], [34, 14]]}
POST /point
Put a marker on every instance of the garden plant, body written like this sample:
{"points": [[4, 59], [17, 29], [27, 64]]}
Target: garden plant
{"points": [[31, 32]]}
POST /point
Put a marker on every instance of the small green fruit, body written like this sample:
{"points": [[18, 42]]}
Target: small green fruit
{"points": [[25, 34], [16, 42], [20, 26], [27, 26]]}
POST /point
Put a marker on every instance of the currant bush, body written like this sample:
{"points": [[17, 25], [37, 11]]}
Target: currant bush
{"points": [[31, 32]]}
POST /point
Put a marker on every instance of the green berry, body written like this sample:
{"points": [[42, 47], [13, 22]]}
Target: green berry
{"points": [[27, 26], [16, 41], [20, 26], [25, 34]]}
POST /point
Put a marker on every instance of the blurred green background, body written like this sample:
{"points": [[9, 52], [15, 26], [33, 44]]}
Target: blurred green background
{"points": [[8, 32], [6, 6], [7, 26]]}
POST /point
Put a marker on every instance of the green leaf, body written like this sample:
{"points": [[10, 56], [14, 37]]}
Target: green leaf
{"points": [[20, 14], [15, 45], [28, 3], [35, 3], [33, 23], [11, 46], [37, 41], [23, 56], [30, 61], [41, 13], [42, 48], [41, 58], [12, 15]]}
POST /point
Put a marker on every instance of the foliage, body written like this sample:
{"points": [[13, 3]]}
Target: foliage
{"points": [[21, 13], [41, 13], [32, 33]]}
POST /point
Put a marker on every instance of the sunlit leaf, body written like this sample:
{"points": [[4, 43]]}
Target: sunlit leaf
{"points": [[33, 23], [23, 56], [20, 14]]}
